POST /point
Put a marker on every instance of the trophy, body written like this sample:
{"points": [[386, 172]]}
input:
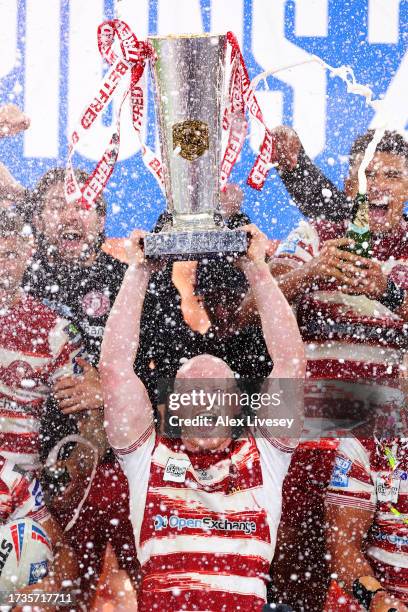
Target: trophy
{"points": [[188, 77]]}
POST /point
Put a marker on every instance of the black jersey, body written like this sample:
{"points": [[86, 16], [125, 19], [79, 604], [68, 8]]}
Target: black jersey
{"points": [[85, 294], [316, 196], [166, 340]]}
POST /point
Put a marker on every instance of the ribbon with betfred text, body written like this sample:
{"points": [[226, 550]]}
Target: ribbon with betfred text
{"points": [[134, 55], [241, 98], [132, 62]]}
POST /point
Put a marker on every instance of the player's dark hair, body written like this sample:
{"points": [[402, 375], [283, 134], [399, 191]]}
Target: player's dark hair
{"points": [[11, 223], [391, 142], [51, 178], [220, 276]]}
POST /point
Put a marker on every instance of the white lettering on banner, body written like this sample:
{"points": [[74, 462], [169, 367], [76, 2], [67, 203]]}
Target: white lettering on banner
{"points": [[132, 63], [383, 21], [271, 50], [41, 49], [311, 17], [179, 17], [136, 15], [42, 78], [8, 36], [394, 110]]}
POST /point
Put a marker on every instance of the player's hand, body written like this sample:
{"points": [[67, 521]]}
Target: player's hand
{"points": [[135, 253], [134, 248], [383, 602], [335, 265], [12, 120], [78, 393], [287, 147], [372, 281], [257, 245]]}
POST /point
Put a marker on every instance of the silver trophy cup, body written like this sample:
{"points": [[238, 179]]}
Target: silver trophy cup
{"points": [[189, 84]]}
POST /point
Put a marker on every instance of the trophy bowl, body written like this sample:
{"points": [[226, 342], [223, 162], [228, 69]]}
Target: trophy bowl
{"points": [[188, 77]]}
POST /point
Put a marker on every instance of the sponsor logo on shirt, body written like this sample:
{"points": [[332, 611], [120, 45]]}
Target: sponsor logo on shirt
{"points": [[203, 474], [175, 470], [37, 571], [72, 332], [206, 524], [62, 309], [391, 538], [38, 494], [18, 374], [289, 245], [5, 549], [94, 331], [95, 304], [339, 475]]}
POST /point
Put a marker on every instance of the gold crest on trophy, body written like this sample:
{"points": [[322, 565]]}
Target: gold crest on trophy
{"points": [[191, 137]]}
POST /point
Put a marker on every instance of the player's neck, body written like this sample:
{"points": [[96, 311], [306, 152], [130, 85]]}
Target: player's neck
{"points": [[196, 448]]}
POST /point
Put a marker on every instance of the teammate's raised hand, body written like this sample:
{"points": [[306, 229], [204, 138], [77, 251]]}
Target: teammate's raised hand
{"points": [[12, 120], [287, 147]]}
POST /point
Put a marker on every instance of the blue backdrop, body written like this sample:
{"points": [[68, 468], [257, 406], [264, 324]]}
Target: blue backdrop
{"points": [[50, 67]]}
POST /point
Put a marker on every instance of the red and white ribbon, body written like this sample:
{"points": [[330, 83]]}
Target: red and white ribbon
{"points": [[135, 53], [242, 98]]}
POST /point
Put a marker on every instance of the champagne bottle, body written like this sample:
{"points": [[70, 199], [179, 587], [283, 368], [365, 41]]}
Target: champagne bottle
{"points": [[359, 228]]}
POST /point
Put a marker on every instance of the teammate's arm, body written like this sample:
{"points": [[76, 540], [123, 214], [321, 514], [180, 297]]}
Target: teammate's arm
{"points": [[279, 324], [346, 529], [128, 411], [331, 264], [64, 566], [312, 191]]}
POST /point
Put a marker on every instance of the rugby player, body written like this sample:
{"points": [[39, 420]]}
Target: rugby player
{"points": [[178, 485], [72, 273], [21, 496], [367, 541], [352, 314], [37, 347]]}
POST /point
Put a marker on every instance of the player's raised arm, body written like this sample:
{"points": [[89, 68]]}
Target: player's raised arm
{"points": [[128, 411], [279, 324]]}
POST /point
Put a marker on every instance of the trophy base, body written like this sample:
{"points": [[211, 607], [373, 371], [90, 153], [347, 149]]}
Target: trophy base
{"points": [[195, 244]]}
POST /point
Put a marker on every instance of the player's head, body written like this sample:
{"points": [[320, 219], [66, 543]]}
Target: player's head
{"points": [[67, 231], [16, 249], [387, 178], [215, 378], [231, 200], [222, 288]]}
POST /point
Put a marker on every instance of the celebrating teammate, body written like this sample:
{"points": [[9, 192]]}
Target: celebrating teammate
{"points": [[367, 541], [352, 313], [226, 492], [21, 497], [36, 347]]}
